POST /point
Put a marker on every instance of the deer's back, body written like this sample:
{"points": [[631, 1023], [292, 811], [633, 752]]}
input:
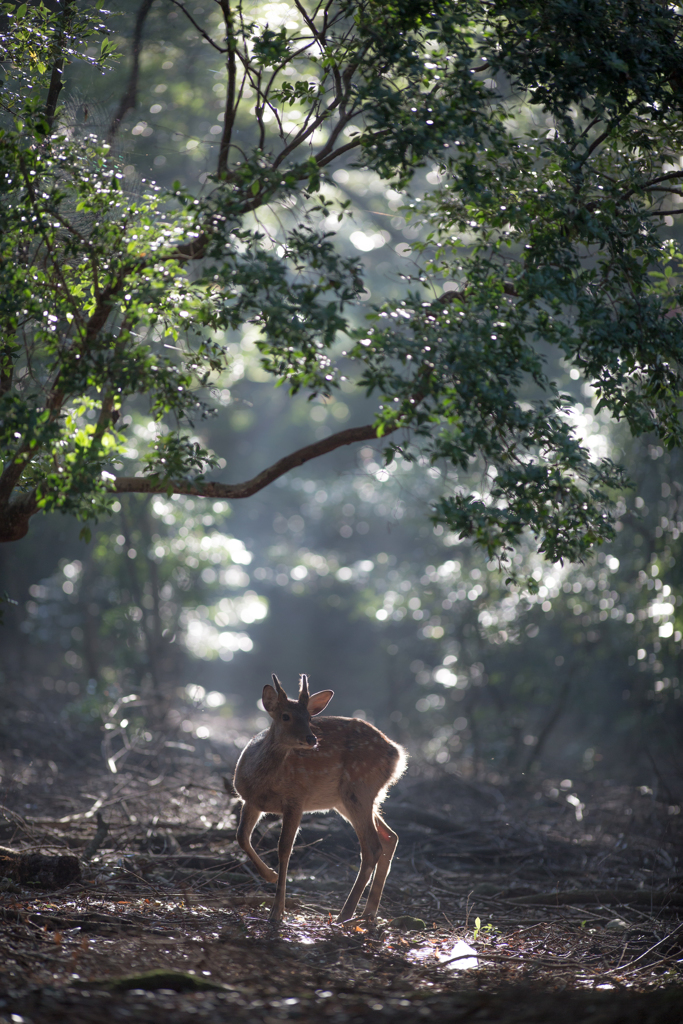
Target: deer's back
{"points": [[363, 751], [353, 760]]}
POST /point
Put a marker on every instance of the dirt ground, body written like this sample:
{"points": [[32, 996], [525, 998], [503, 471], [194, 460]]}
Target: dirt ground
{"points": [[551, 904]]}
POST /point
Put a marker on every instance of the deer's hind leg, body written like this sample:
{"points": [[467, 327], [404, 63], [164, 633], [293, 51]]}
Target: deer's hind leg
{"points": [[389, 841], [248, 818], [361, 817]]}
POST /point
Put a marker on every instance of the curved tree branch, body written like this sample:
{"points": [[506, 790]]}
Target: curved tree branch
{"points": [[144, 485], [15, 516]]}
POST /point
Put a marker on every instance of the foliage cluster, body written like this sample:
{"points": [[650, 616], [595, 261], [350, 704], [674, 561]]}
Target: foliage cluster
{"points": [[555, 132]]}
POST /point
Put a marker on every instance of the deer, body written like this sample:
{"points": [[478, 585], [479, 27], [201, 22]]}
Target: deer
{"points": [[293, 768]]}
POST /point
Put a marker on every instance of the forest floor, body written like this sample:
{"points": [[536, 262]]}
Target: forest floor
{"points": [[547, 905]]}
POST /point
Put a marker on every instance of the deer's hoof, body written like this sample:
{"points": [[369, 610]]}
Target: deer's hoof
{"points": [[367, 920]]}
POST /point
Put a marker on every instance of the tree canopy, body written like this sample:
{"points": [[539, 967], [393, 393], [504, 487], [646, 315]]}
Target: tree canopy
{"points": [[554, 134]]}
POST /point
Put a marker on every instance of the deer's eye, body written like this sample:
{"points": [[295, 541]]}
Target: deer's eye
{"points": [[285, 718]]}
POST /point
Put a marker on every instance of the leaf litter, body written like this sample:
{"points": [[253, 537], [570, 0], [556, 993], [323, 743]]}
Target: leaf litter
{"points": [[502, 906]]}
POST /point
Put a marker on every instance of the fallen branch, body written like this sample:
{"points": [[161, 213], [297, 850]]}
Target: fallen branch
{"points": [[610, 896], [39, 869]]}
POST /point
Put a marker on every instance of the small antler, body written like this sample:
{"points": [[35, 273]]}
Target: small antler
{"points": [[303, 689], [278, 686]]}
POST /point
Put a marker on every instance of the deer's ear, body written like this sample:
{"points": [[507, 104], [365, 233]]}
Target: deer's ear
{"points": [[270, 699], [317, 702]]}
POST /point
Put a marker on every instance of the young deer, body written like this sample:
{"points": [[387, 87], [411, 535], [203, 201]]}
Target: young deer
{"points": [[346, 765]]}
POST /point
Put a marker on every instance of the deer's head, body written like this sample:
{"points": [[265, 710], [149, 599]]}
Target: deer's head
{"points": [[292, 718]]}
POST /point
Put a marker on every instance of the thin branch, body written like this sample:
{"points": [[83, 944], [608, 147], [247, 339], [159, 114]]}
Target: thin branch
{"points": [[138, 484], [600, 139], [205, 35], [230, 104], [307, 19], [130, 97], [607, 132], [323, 160], [590, 125], [451, 295], [258, 109], [304, 133], [342, 94], [283, 64], [344, 118], [319, 118], [667, 938], [309, 127], [265, 102], [649, 184]]}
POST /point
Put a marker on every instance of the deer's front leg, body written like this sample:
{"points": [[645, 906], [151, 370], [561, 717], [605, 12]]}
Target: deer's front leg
{"points": [[248, 818], [291, 819]]}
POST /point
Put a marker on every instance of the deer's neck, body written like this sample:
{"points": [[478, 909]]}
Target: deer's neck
{"points": [[272, 751]]}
